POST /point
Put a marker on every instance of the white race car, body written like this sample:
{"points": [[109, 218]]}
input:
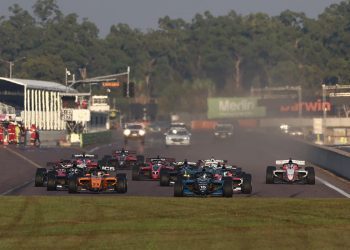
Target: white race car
{"points": [[290, 171]]}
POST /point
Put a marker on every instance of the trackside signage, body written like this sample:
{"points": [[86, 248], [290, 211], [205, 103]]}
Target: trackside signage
{"points": [[234, 107]]}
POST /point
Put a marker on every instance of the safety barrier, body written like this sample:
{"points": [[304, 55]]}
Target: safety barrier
{"points": [[203, 124], [95, 138]]}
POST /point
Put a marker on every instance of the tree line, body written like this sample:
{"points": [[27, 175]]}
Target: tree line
{"points": [[180, 63]]}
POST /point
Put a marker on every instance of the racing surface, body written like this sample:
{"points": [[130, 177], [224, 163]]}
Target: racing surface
{"points": [[250, 150]]}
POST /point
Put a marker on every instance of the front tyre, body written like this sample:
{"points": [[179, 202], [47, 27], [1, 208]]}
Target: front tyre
{"points": [[310, 178], [247, 184], [269, 174], [72, 185], [227, 190], [178, 189], [164, 177], [122, 185]]}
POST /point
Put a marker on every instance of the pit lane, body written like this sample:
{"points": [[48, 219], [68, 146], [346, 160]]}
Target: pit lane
{"points": [[249, 150]]}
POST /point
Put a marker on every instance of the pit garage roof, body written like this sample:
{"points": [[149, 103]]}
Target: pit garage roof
{"points": [[36, 84]]}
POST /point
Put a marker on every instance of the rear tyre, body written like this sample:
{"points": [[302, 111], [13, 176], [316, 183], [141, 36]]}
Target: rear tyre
{"points": [[40, 177], [227, 190], [164, 177], [72, 185], [135, 173], [140, 158], [51, 182], [122, 185], [178, 189], [310, 178], [247, 184], [269, 174]]}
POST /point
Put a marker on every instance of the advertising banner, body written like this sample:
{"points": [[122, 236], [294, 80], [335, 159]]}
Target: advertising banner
{"points": [[235, 107]]}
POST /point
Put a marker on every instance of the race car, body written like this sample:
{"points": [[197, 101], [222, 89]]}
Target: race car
{"points": [[290, 171], [98, 180], [85, 160], [212, 163], [151, 168], [42, 174], [182, 169], [125, 158], [202, 183], [241, 181]]}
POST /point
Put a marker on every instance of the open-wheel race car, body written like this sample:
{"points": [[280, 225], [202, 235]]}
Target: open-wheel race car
{"points": [[98, 180], [241, 181], [54, 171], [290, 171], [151, 168], [123, 159], [183, 169], [203, 183]]}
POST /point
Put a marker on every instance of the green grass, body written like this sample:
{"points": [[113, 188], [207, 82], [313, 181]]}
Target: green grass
{"points": [[109, 222]]}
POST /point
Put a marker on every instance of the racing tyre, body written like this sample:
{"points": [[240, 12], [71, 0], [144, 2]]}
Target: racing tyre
{"points": [[269, 174], [310, 178], [135, 173], [178, 189], [40, 177], [164, 177], [72, 185], [247, 184], [227, 190], [122, 185], [51, 182]]}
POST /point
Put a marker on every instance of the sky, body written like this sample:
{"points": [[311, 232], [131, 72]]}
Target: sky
{"points": [[144, 14]]}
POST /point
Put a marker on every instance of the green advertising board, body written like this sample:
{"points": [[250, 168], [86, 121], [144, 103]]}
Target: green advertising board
{"points": [[235, 107]]}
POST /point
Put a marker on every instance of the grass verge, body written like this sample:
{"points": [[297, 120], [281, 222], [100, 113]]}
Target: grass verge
{"points": [[109, 222]]}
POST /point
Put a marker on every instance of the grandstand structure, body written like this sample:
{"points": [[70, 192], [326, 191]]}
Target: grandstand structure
{"points": [[34, 102]]}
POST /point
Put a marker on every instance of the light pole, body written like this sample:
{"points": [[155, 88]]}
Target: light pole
{"points": [[12, 63]]}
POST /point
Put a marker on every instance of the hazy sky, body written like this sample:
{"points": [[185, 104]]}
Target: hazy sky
{"points": [[144, 14]]}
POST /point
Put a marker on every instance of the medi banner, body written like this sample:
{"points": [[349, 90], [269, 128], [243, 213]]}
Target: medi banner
{"points": [[235, 107]]}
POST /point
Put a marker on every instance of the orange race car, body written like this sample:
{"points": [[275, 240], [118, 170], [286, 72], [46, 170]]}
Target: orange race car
{"points": [[98, 181]]}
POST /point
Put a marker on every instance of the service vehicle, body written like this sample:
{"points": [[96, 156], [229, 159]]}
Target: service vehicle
{"points": [[177, 136], [134, 131]]}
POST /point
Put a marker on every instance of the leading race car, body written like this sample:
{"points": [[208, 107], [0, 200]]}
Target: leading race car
{"points": [[290, 171], [98, 180], [202, 183], [151, 168]]}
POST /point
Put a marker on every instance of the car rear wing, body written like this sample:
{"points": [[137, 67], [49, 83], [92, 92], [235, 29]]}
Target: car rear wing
{"points": [[84, 156], [166, 159], [281, 162], [190, 163], [132, 152]]}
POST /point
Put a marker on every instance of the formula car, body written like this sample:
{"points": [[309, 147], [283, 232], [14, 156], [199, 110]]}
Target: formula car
{"points": [[151, 168], [241, 181], [182, 169], [123, 159], [52, 168], [98, 180], [202, 183], [85, 160], [290, 171]]}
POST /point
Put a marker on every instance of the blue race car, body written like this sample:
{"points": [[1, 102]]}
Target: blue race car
{"points": [[202, 183]]}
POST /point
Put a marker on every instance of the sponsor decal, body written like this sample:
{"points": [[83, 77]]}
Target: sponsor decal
{"points": [[234, 107], [314, 106]]}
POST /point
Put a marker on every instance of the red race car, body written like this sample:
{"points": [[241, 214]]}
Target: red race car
{"points": [[123, 159], [150, 170]]}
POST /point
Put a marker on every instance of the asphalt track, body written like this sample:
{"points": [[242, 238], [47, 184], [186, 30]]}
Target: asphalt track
{"points": [[249, 150]]}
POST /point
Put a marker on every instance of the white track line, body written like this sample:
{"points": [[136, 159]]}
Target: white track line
{"points": [[340, 191], [17, 187]]}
